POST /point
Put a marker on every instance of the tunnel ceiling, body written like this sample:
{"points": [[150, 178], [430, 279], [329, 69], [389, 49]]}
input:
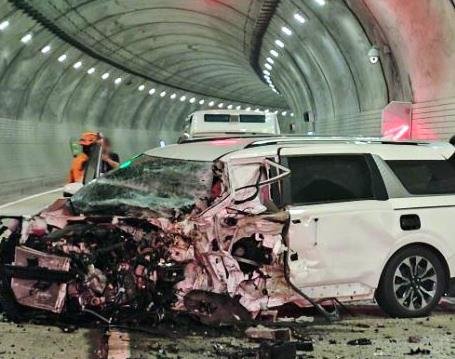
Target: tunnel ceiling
{"points": [[202, 46]]}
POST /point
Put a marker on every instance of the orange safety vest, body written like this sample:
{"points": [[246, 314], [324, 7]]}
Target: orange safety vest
{"points": [[77, 168]]}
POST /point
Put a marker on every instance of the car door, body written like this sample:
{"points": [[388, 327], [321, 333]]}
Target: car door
{"points": [[340, 230]]}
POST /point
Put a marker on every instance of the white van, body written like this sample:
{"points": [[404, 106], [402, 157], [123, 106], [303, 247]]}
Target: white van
{"points": [[219, 123]]}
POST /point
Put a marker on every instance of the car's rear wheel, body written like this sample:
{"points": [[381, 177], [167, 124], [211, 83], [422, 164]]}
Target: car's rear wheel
{"points": [[412, 283]]}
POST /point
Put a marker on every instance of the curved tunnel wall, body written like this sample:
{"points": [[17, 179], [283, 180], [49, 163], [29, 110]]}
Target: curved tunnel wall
{"points": [[324, 67], [45, 101]]}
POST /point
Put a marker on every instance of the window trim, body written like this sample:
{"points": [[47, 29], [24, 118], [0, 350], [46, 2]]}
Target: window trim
{"points": [[378, 189]]}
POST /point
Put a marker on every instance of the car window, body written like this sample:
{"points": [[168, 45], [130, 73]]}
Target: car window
{"points": [[329, 178], [252, 118], [425, 177], [216, 118]]}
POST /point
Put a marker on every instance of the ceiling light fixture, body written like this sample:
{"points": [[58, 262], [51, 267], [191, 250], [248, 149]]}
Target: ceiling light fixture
{"points": [[211, 103], [274, 53], [141, 88], [46, 49], [91, 70], [279, 43], [105, 75], [26, 38], [300, 18], [320, 2], [4, 25], [248, 109], [270, 60], [201, 102], [118, 80], [238, 107], [268, 67], [162, 94], [265, 72], [192, 100], [62, 58], [286, 30], [230, 107], [221, 105], [152, 91], [183, 98], [77, 65], [173, 96]]}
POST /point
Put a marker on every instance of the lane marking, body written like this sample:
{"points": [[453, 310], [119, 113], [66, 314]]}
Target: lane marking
{"points": [[3, 206]]}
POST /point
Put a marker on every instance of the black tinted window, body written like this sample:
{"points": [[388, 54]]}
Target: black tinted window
{"points": [[425, 177], [323, 179], [252, 118], [216, 118]]}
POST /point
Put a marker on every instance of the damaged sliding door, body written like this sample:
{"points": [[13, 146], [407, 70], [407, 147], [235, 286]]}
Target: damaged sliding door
{"points": [[338, 236]]}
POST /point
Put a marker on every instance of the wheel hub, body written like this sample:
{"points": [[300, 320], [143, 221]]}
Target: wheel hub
{"points": [[415, 283]]}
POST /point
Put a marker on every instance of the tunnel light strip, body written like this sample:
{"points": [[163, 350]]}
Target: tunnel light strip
{"points": [[201, 102], [118, 81], [270, 60], [4, 25], [46, 49], [268, 67], [300, 18], [238, 107], [183, 98], [26, 38], [77, 65], [91, 70], [173, 96], [193, 100], [152, 91], [163, 93], [105, 76], [141, 88], [320, 2], [211, 103], [221, 105], [61, 58]]}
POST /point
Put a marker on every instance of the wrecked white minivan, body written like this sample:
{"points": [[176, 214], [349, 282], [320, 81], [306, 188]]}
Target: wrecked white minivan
{"points": [[233, 228]]}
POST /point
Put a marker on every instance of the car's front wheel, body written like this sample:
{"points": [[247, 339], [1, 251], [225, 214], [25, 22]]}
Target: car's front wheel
{"points": [[412, 283]]}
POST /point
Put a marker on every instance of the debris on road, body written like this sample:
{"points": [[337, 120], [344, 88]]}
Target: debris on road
{"points": [[360, 341], [261, 332]]}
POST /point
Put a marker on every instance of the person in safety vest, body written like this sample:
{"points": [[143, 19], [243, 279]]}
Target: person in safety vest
{"points": [[78, 165]]}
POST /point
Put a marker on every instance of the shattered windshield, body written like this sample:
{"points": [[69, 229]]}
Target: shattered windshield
{"points": [[162, 185]]}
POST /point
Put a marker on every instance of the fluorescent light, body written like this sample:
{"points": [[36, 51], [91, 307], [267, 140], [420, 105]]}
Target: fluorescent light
{"points": [[211, 103], [46, 49], [300, 18], [221, 105], [77, 64], [141, 88], [152, 91], [267, 110], [118, 80], [4, 25], [163, 93], [268, 67], [238, 107], [279, 43], [270, 60], [265, 72], [192, 100], [62, 58], [248, 109], [257, 110], [183, 98], [201, 102], [105, 75], [286, 30], [292, 114], [230, 107], [26, 38], [173, 96], [320, 2], [274, 53], [91, 70]]}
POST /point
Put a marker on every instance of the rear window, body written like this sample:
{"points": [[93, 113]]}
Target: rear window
{"points": [[252, 118], [425, 177], [216, 118]]}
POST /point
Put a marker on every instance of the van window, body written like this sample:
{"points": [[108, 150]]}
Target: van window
{"points": [[216, 118], [252, 118], [329, 178], [425, 177]]}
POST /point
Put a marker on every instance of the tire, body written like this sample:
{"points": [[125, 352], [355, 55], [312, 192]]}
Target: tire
{"points": [[405, 294]]}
